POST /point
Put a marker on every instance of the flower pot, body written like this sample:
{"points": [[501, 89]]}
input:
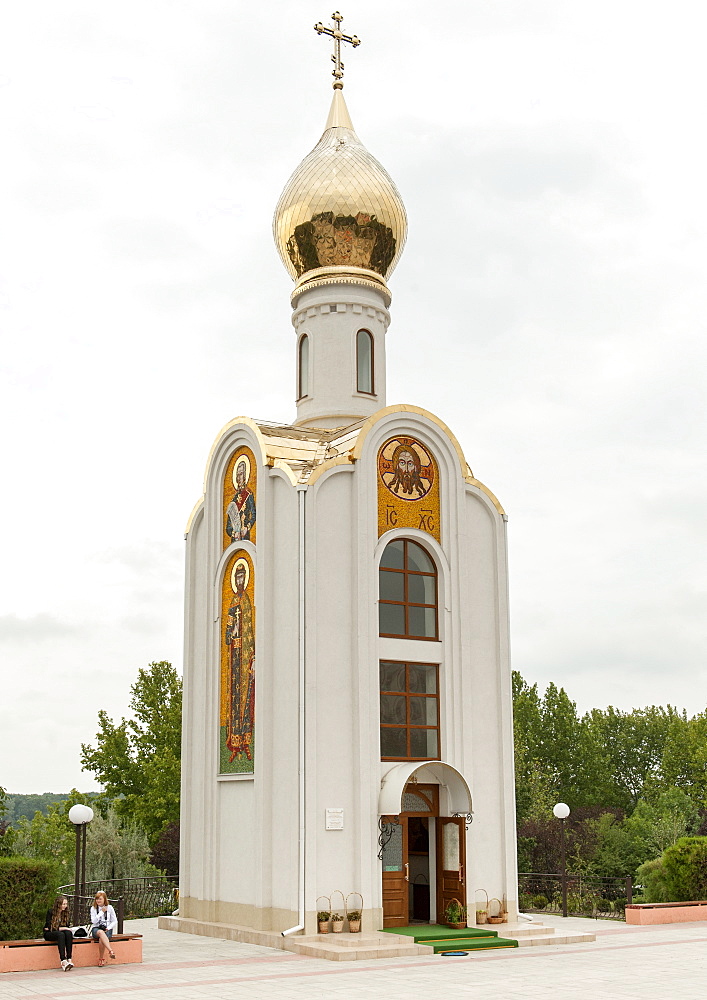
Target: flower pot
{"points": [[481, 916], [458, 925], [337, 926], [323, 926], [355, 926]]}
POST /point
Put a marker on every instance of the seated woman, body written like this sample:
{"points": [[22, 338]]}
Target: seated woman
{"points": [[104, 922], [56, 928]]}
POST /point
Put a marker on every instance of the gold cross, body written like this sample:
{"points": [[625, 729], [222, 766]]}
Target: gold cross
{"points": [[339, 37]]}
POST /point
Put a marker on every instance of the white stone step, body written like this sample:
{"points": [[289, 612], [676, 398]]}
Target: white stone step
{"points": [[347, 947]]}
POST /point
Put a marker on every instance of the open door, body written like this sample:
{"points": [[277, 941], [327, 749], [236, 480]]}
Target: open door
{"points": [[451, 862], [395, 871]]}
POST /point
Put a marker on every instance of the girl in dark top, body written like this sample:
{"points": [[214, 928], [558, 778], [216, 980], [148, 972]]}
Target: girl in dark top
{"points": [[56, 928]]}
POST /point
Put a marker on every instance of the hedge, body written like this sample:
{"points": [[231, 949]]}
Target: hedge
{"points": [[27, 890]]}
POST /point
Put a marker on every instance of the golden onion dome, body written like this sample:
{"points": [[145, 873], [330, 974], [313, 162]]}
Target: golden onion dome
{"points": [[340, 209]]}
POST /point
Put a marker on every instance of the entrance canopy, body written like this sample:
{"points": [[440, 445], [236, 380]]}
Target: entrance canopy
{"points": [[390, 799]]}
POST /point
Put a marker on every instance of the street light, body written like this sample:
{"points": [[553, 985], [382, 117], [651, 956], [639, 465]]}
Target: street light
{"points": [[80, 816], [561, 811]]}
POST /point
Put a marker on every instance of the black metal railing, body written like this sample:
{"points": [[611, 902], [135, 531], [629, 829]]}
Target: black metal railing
{"points": [[143, 896], [587, 896]]}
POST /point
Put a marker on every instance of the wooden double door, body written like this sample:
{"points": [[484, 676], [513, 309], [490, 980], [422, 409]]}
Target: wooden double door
{"points": [[424, 860]]}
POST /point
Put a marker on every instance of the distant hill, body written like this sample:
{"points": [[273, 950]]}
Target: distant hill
{"points": [[28, 805]]}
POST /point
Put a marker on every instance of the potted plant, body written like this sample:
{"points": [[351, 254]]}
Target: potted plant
{"points": [[455, 914], [323, 917], [354, 915], [482, 909], [337, 923]]}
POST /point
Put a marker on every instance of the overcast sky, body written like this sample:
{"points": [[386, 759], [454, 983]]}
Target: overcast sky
{"points": [[549, 307]]}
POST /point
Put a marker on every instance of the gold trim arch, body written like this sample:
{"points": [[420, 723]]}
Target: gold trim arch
{"points": [[467, 474]]}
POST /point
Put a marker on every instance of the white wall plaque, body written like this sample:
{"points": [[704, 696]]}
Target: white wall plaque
{"points": [[334, 819]]}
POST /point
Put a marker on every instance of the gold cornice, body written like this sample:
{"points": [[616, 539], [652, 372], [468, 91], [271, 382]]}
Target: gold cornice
{"points": [[195, 510], [243, 421], [340, 275], [279, 463], [484, 489], [329, 464]]}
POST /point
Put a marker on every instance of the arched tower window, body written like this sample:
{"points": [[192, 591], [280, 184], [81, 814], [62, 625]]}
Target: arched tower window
{"points": [[364, 361], [407, 595], [303, 366]]}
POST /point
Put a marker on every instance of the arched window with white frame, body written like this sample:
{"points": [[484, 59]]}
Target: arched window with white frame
{"points": [[364, 361], [303, 366]]}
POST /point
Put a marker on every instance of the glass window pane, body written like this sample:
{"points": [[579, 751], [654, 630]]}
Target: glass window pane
{"points": [[393, 556], [392, 847], [393, 708], [391, 618], [423, 742], [418, 559], [421, 622], [364, 361], [421, 589], [393, 743], [392, 676], [417, 712], [391, 585], [450, 847], [419, 678], [423, 711], [304, 365]]}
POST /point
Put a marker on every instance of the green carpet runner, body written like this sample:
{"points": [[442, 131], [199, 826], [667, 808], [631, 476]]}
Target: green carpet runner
{"points": [[448, 939]]}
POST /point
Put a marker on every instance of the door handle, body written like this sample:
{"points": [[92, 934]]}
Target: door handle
{"points": [[407, 872], [461, 874]]}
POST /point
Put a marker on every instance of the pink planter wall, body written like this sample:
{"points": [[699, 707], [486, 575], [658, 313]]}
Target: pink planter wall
{"points": [[665, 913], [32, 957]]}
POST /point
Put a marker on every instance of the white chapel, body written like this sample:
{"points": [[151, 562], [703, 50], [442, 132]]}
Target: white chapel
{"points": [[348, 717]]}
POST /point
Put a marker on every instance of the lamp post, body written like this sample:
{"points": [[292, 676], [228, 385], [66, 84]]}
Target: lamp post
{"points": [[561, 811], [80, 816]]}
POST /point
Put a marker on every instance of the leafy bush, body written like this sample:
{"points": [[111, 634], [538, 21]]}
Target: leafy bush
{"points": [[540, 901], [27, 890], [652, 877], [679, 875]]}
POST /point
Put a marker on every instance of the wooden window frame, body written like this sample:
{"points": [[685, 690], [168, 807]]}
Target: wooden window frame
{"points": [[410, 604], [409, 695], [372, 355]]}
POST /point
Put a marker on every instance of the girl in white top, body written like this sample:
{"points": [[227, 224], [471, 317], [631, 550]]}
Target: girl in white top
{"points": [[104, 922]]}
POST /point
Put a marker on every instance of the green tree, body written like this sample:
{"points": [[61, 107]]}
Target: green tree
{"points": [[116, 848], [633, 744], [660, 824], [684, 761], [138, 760], [52, 836]]}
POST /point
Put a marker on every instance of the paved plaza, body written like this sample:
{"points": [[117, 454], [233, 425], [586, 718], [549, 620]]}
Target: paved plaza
{"points": [[626, 963]]}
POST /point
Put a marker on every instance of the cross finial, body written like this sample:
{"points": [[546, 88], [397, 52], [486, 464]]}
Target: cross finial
{"points": [[339, 37]]}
